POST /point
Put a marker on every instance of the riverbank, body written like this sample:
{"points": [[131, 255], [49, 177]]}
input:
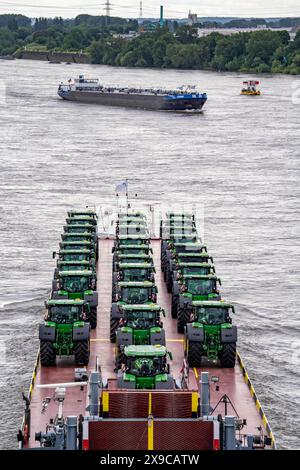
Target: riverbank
{"points": [[48, 56]]}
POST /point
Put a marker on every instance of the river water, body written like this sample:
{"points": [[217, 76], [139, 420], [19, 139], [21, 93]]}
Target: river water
{"points": [[239, 160]]}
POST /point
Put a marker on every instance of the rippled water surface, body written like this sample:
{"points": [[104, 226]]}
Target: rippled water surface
{"points": [[240, 159]]}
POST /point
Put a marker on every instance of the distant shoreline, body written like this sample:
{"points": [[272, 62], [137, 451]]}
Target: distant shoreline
{"points": [[82, 58], [47, 56]]}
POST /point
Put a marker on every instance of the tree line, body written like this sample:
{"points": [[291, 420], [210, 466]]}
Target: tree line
{"points": [[262, 51], [258, 52]]}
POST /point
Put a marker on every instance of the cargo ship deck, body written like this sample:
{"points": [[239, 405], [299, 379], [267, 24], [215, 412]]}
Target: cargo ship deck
{"points": [[235, 383]]}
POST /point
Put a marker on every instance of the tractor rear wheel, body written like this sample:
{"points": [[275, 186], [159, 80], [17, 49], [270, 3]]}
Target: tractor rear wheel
{"points": [[82, 353], [114, 323], [169, 282], [174, 306], [120, 358], [183, 317], [228, 355], [47, 354], [194, 354], [93, 317]]}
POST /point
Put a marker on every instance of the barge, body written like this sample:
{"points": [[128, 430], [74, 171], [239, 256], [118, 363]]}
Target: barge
{"points": [[91, 91], [212, 408]]}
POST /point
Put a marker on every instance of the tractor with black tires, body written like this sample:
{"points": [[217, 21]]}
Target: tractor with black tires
{"points": [[125, 240], [188, 289], [81, 238], [130, 215], [131, 293], [78, 285], [65, 332], [182, 269], [171, 237], [210, 333], [81, 245], [132, 220], [133, 272], [74, 266], [81, 220], [76, 255], [172, 250], [132, 229], [146, 368], [86, 228], [132, 250], [139, 324], [130, 259], [136, 272], [83, 213]]}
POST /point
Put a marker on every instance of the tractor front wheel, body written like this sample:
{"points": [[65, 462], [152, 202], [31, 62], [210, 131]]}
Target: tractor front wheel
{"points": [[169, 282], [120, 358], [47, 354], [93, 317], [228, 355], [194, 353], [82, 353], [174, 306], [183, 317], [114, 323]]}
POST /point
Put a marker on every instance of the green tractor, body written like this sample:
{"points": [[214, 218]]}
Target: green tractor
{"points": [[146, 367], [81, 220], [131, 259], [190, 288], [74, 266], [78, 285], [139, 324], [82, 239], [136, 272], [132, 220], [131, 293], [130, 215], [132, 229], [76, 255], [134, 226], [182, 269], [125, 240], [180, 235], [174, 248], [79, 236], [65, 332], [210, 333], [85, 213], [81, 245], [169, 232], [87, 228], [132, 272]]}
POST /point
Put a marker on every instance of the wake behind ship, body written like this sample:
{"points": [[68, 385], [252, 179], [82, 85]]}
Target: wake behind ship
{"points": [[91, 91]]}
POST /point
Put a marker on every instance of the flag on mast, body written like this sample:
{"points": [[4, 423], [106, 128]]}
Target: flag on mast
{"points": [[122, 187]]}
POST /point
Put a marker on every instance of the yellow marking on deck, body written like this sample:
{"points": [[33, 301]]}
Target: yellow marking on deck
{"points": [[98, 340], [175, 340], [150, 434], [265, 421], [252, 391], [105, 401], [150, 405], [258, 405], [194, 402], [196, 373]]}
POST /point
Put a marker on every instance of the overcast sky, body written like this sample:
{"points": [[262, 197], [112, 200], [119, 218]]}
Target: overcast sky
{"points": [[173, 8]]}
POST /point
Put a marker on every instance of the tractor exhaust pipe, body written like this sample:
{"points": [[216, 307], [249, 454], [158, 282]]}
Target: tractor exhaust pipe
{"points": [[204, 394]]}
